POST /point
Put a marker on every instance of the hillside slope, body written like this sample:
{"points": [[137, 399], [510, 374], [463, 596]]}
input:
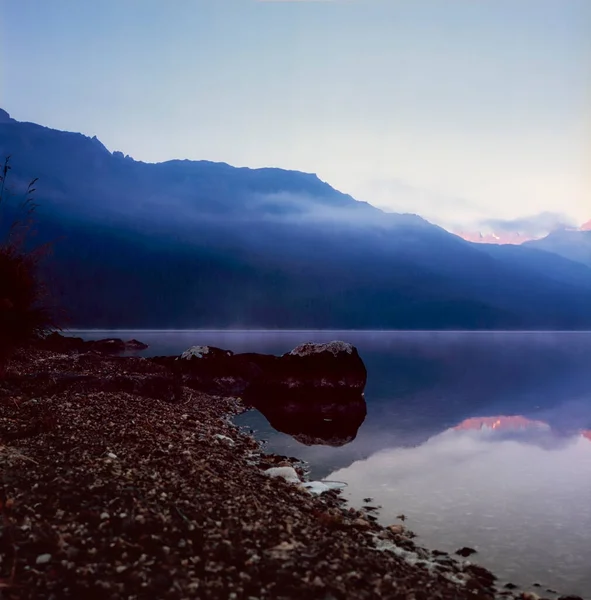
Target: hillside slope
{"points": [[572, 244]]}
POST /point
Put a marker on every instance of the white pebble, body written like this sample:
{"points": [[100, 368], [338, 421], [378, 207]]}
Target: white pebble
{"points": [[43, 559], [287, 473], [224, 438]]}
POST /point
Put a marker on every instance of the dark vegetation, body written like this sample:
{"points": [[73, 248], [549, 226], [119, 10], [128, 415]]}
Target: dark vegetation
{"points": [[24, 312]]}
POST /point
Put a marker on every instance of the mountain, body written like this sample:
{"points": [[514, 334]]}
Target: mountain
{"points": [[493, 238], [515, 237], [573, 244], [183, 244]]}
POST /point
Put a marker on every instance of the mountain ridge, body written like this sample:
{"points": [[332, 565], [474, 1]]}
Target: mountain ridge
{"points": [[572, 244], [196, 243]]}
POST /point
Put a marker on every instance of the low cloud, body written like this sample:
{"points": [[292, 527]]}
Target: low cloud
{"points": [[534, 225], [290, 207]]}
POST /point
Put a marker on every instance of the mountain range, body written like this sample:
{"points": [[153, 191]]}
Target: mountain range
{"points": [[196, 244], [515, 237]]}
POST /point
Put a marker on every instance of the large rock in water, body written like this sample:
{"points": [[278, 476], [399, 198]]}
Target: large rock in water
{"points": [[333, 365], [313, 393], [309, 367]]}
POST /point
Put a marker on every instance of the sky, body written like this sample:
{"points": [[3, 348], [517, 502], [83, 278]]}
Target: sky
{"points": [[467, 112]]}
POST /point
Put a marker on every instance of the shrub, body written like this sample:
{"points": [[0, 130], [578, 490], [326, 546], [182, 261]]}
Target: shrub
{"points": [[24, 315]]}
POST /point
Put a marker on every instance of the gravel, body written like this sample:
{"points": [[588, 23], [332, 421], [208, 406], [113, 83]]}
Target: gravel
{"points": [[122, 494]]}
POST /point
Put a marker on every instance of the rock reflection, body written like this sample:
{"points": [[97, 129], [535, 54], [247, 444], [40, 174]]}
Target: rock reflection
{"points": [[330, 417]]}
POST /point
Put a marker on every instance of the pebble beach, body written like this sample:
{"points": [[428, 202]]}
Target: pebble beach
{"points": [[119, 483]]}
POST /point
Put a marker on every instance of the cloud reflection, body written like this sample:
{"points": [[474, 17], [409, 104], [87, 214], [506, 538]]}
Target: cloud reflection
{"points": [[518, 491]]}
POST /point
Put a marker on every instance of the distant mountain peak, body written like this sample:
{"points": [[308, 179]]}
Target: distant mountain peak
{"points": [[514, 237], [493, 238]]}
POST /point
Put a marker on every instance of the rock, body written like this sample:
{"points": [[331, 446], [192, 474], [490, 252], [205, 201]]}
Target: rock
{"points": [[283, 550], [287, 473], [396, 529], [224, 438], [206, 352], [43, 559], [319, 366], [135, 345], [212, 370], [570, 597], [362, 523], [482, 575], [315, 390], [335, 348], [64, 344], [465, 551]]}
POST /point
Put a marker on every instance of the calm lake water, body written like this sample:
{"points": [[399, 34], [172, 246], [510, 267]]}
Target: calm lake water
{"points": [[480, 439]]}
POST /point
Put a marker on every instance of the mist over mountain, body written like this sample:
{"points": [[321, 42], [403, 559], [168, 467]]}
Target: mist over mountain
{"points": [[202, 244]]}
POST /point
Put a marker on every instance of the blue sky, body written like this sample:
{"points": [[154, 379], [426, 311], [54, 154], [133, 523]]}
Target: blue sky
{"points": [[459, 110]]}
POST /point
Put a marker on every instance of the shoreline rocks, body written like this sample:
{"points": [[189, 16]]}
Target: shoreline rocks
{"points": [[113, 494], [55, 342]]}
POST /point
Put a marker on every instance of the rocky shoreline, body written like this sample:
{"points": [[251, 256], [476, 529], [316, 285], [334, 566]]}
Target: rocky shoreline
{"points": [[120, 481]]}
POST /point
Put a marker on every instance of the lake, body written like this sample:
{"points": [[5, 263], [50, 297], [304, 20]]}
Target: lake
{"points": [[480, 439]]}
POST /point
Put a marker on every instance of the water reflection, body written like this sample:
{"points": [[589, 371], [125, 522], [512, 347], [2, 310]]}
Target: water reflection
{"points": [[520, 491], [513, 488], [330, 417], [422, 383]]}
